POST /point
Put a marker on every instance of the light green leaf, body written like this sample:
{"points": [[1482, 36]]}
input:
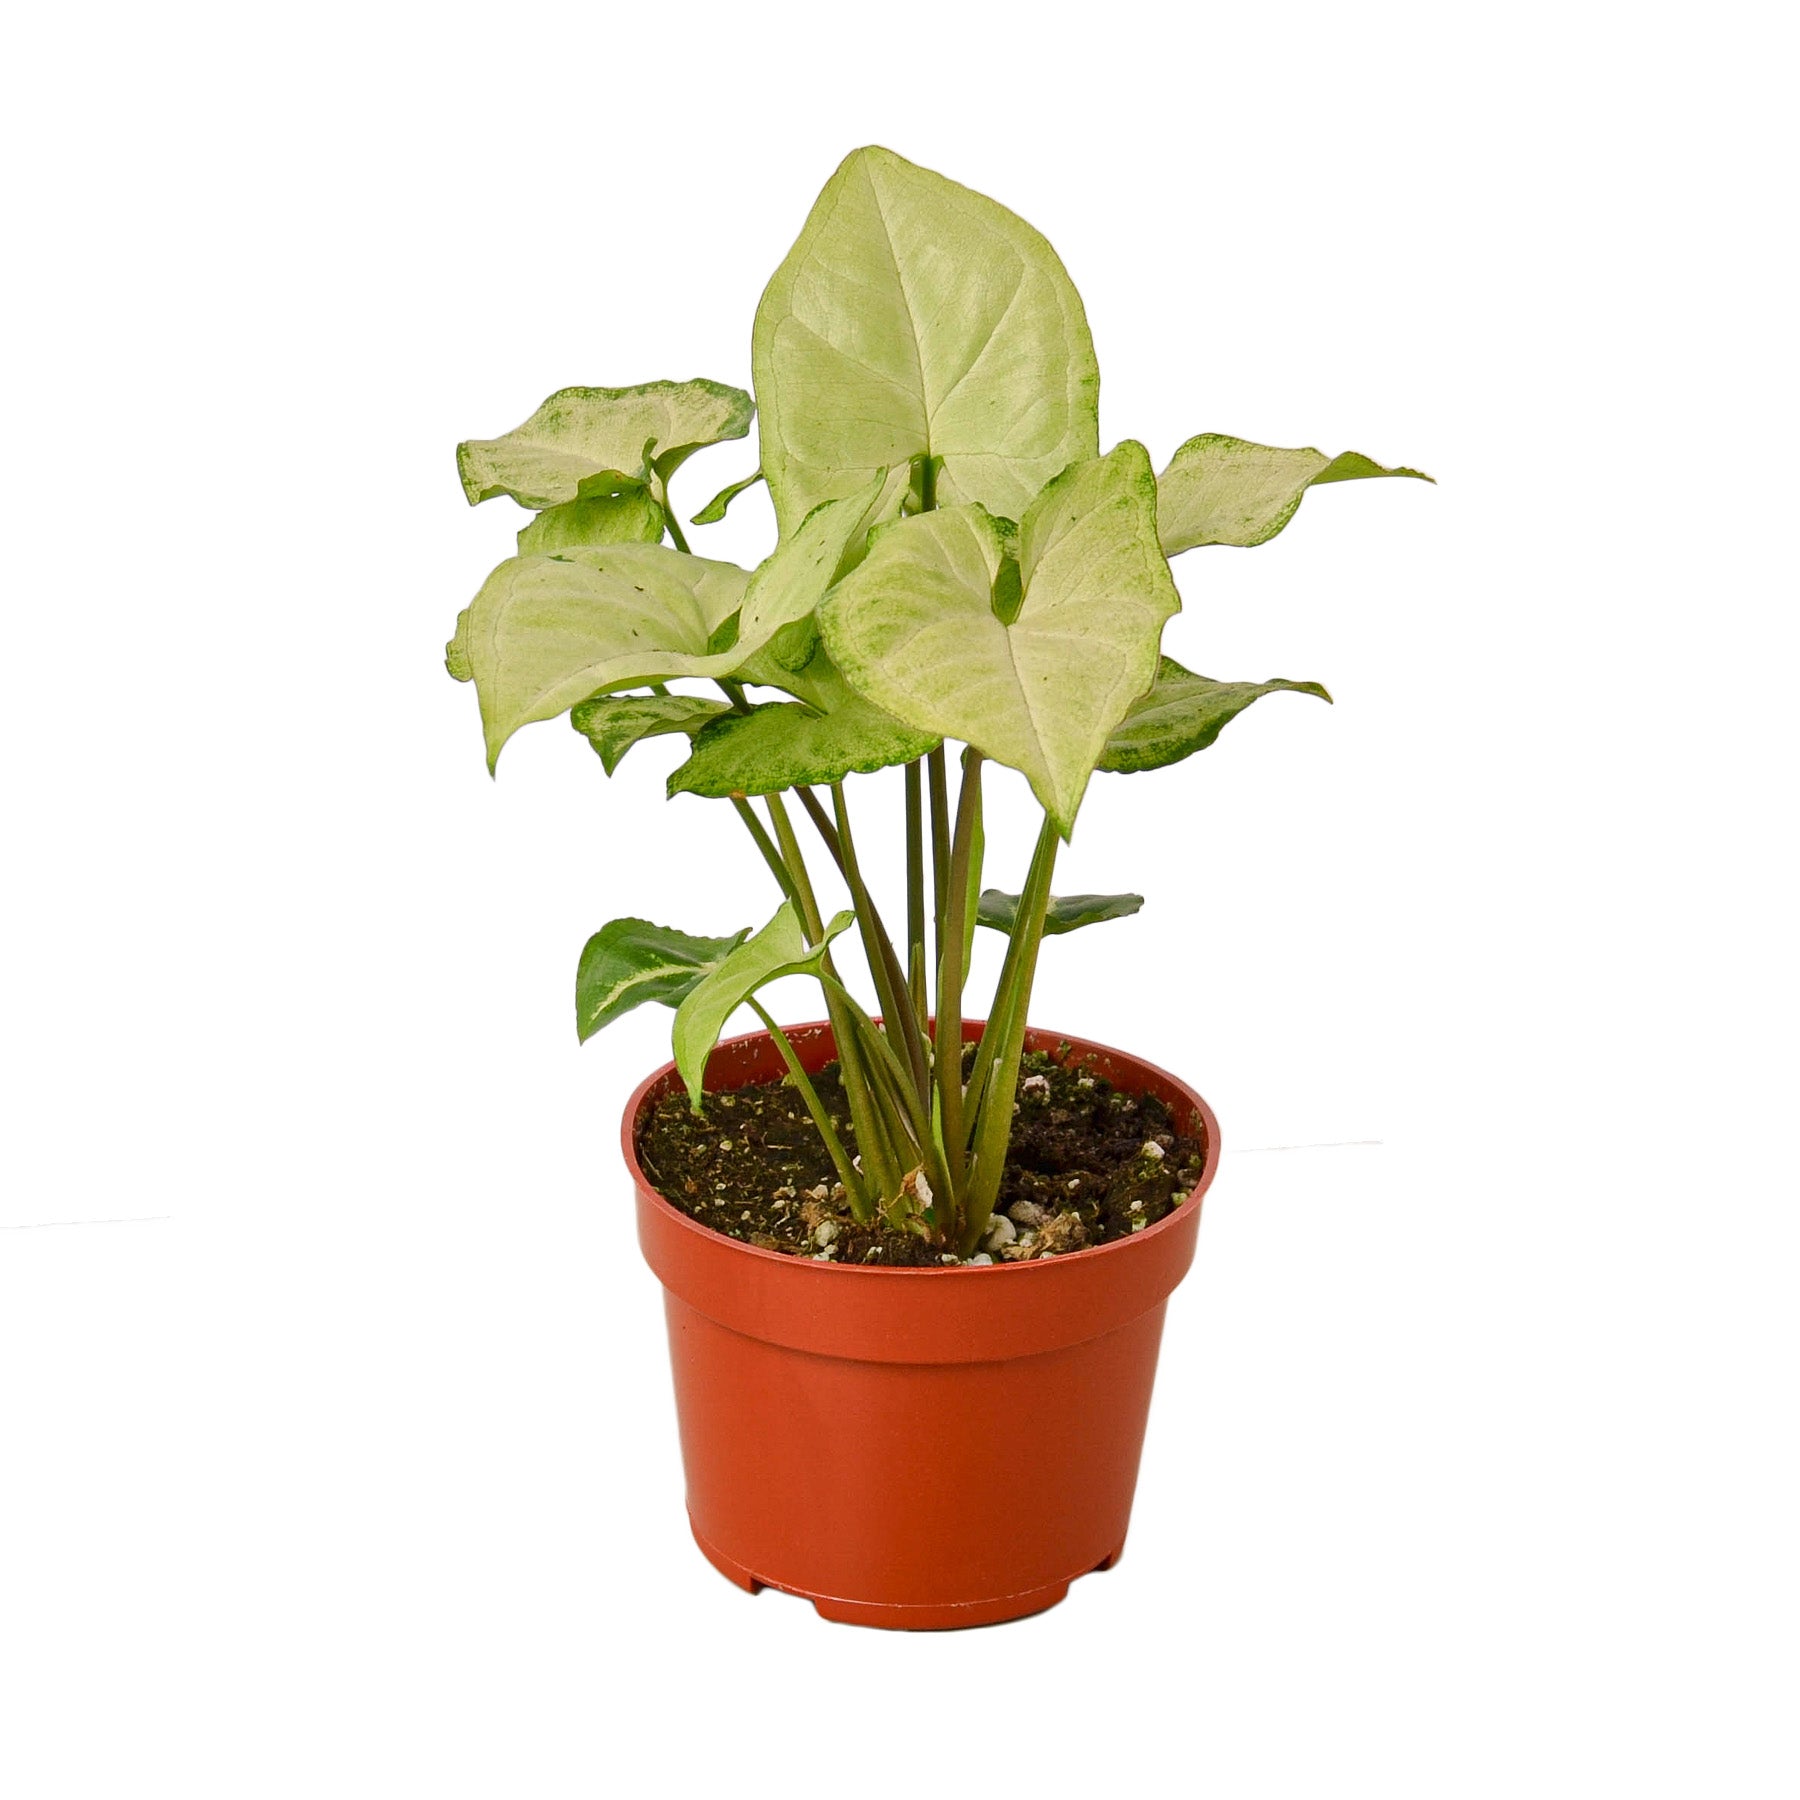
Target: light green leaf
{"points": [[912, 318], [914, 626], [613, 723], [1223, 490], [547, 632], [779, 949], [631, 961], [1182, 713], [625, 513], [779, 746], [1067, 912], [791, 582], [714, 510], [581, 433]]}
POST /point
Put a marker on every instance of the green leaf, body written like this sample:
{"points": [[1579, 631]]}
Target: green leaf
{"points": [[914, 626], [916, 318], [1182, 713], [547, 632], [779, 949], [613, 723], [583, 433], [631, 961], [1067, 912], [714, 510], [780, 746], [625, 513], [1223, 490]]}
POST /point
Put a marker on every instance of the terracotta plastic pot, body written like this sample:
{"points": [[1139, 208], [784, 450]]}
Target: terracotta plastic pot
{"points": [[915, 1448]]}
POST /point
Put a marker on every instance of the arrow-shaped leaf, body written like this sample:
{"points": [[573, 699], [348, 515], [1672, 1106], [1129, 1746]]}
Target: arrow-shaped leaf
{"points": [[631, 961], [1182, 713], [584, 432], [912, 318], [546, 632], [714, 510], [1224, 490], [612, 723], [789, 583], [1032, 661], [779, 949], [1067, 912]]}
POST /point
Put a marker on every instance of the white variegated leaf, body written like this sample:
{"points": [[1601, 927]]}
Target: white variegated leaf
{"points": [[587, 435], [915, 318], [1224, 490], [917, 628], [546, 632]]}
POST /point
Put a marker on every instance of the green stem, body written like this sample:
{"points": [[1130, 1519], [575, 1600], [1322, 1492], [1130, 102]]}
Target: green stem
{"points": [[884, 965], [940, 848], [864, 1114], [909, 1123], [827, 831], [770, 854], [840, 1157], [995, 1104], [810, 916], [915, 889], [950, 973], [673, 523]]}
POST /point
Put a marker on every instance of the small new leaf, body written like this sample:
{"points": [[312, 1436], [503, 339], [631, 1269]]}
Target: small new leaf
{"points": [[612, 723], [631, 961], [789, 583], [714, 510], [580, 433], [780, 746], [779, 949], [1182, 713], [1224, 490], [1067, 912]]}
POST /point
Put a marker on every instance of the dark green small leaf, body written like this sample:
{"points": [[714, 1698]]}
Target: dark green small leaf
{"points": [[612, 723], [1009, 590], [1182, 713], [631, 961], [780, 745], [714, 510], [613, 509], [1068, 912]]}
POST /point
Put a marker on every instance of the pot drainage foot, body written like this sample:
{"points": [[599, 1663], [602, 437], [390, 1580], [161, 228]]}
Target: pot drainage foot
{"points": [[733, 1572], [899, 1616], [939, 1618]]}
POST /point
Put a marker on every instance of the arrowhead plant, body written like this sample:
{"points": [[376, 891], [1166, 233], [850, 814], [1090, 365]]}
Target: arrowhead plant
{"points": [[956, 563]]}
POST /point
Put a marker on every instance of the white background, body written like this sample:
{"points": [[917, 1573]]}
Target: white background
{"points": [[349, 1466]]}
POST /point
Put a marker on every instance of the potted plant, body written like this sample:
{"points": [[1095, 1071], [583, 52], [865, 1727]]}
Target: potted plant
{"points": [[916, 1266]]}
